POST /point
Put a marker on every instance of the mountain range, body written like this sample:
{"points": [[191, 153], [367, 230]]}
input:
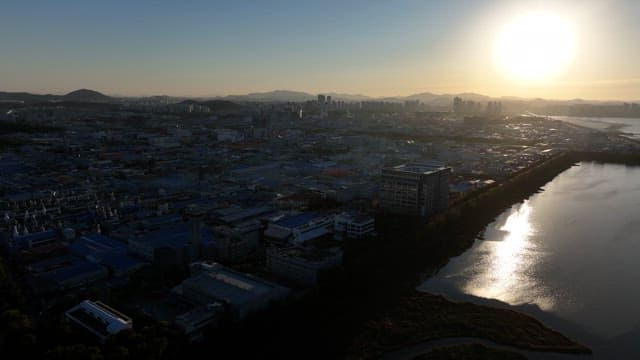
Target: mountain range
{"points": [[427, 98], [227, 102]]}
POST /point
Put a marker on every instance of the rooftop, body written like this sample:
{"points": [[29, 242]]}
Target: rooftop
{"points": [[310, 255], [76, 268], [96, 244], [419, 168], [297, 220], [231, 286], [121, 262], [99, 318], [174, 235], [36, 237]]}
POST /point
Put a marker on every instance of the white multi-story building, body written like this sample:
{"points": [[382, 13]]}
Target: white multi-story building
{"points": [[415, 189]]}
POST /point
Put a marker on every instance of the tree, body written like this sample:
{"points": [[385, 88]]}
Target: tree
{"points": [[74, 352], [17, 329]]}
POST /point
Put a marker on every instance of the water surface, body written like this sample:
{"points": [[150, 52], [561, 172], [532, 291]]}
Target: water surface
{"points": [[573, 250], [628, 127]]}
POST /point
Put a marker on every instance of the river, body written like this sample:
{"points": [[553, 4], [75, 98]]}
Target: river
{"points": [[627, 127], [570, 255]]}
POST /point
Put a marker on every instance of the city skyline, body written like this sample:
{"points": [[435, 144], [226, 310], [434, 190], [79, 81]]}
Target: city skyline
{"points": [[378, 49]]}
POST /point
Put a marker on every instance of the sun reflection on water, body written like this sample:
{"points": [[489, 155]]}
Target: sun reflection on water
{"points": [[506, 262]]}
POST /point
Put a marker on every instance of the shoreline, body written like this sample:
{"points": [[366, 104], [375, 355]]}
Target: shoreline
{"points": [[453, 232]]}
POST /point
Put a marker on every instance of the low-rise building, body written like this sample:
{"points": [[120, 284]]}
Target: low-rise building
{"points": [[242, 293], [300, 228], [30, 241], [234, 243], [197, 319], [65, 272], [171, 245], [302, 265], [353, 226], [99, 319]]}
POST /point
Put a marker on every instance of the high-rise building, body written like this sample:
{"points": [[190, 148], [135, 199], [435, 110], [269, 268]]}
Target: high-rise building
{"points": [[415, 189], [321, 99], [329, 100]]}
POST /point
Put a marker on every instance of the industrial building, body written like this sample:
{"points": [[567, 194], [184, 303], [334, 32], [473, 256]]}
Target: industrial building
{"points": [[197, 319], [172, 245], [234, 243], [300, 228], [106, 251], [241, 293], [420, 189], [99, 319], [65, 272], [302, 265], [29, 241]]}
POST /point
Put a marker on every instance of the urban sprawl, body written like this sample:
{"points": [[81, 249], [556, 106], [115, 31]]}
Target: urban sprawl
{"points": [[250, 203]]}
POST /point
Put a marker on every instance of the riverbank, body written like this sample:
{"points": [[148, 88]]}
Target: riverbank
{"points": [[475, 351], [428, 247], [423, 317]]}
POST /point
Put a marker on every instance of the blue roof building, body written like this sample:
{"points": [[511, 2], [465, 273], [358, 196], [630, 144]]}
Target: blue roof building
{"points": [[122, 264], [94, 247], [107, 252], [70, 273], [300, 228], [169, 244]]}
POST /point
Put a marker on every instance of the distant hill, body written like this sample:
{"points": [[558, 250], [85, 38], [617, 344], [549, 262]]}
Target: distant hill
{"points": [[78, 96], [294, 96], [300, 96], [82, 97], [25, 97], [86, 95]]}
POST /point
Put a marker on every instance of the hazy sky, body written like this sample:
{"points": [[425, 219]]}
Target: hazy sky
{"points": [[378, 48]]}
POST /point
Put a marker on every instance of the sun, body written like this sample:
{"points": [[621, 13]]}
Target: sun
{"points": [[535, 47]]}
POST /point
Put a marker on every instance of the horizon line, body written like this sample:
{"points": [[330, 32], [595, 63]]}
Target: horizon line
{"points": [[116, 95]]}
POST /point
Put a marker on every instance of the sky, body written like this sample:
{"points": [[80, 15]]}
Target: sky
{"points": [[376, 48]]}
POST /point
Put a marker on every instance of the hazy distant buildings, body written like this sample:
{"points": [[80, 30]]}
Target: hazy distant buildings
{"points": [[470, 107], [412, 105], [323, 105], [494, 108], [466, 107], [415, 189]]}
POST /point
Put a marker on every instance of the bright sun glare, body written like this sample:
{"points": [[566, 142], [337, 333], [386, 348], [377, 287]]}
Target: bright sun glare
{"points": [[535, 47]]}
